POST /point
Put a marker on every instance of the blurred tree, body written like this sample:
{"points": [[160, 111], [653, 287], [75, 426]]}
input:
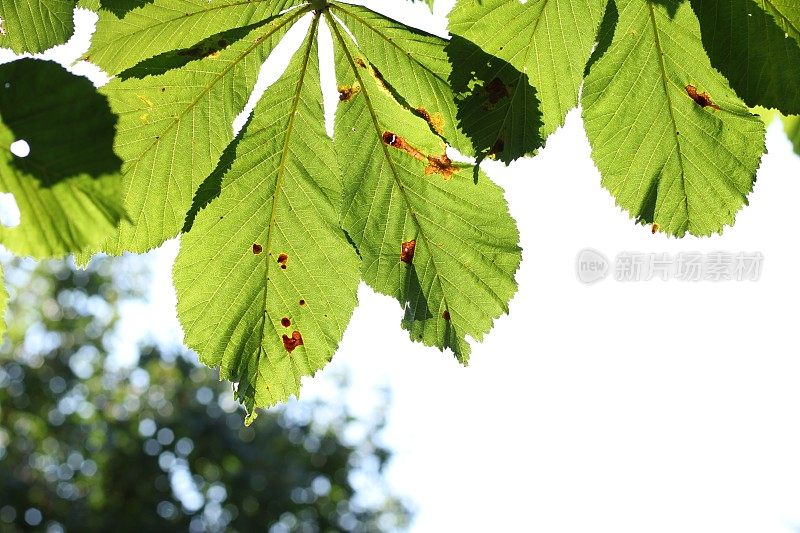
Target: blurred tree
{"points": [[86, 445]]}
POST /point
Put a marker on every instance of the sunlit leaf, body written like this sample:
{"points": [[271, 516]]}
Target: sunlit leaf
{"points": [[675, 145], [266, 278], [159, 26], [434, 234], [529, 54], [35, 25], [174, 126]]}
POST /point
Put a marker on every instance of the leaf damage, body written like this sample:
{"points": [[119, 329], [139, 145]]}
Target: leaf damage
{"points": [[346, 92], [290, 343], [407, 251], [435, 120], [441, 164], [283, 260], [702, 99]]}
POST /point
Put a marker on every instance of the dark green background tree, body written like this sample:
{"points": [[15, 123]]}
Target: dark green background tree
{"points": [[161, 446]]}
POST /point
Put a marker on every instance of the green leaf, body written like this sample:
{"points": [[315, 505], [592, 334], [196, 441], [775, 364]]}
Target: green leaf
{"points": [[413, 63], [683, 162], [35, 25], [266, 278], [434, 234], [759, 59], [786, 14], [174, 126], [547, 42], [792, 127], [164, 25], [68, 189]]}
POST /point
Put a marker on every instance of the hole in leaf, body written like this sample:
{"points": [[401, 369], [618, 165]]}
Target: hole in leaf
{"points": [[20, 148]]}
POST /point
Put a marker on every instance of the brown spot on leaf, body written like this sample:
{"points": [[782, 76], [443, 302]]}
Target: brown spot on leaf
{"points": [[496, 90], [283, 259], [346, 92], [360, 62], [701, 99], [285, 322], [302, 303], [654, 228], [440, 165], [257, 249], [392, 140], [434, 164], [407, 251], [446, 315], [290, 343], [435, 120]]}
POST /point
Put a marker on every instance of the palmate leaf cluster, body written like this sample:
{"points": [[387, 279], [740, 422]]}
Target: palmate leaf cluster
{"points": [[280, 222]]}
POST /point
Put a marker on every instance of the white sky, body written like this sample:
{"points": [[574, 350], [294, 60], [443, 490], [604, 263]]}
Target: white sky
{"points": [[649, 406]]}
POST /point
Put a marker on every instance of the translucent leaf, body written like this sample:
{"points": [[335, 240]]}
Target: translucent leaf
{"points": [[35, 25], [266, 278], [434, 234], [68, 188], [413, 63], [759, 59], [124, 37], [786, 14], [674, 144], [527, 56], [174, 125]]}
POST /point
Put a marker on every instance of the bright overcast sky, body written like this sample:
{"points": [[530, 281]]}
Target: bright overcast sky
{"points": [[618, 407]]}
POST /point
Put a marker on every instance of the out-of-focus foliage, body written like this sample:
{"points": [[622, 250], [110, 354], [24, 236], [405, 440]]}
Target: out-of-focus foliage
{"points": [[90, 445]]}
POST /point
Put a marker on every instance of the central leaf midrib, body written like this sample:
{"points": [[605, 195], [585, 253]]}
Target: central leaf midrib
{"points": [[281, 177], [373, 115], [664, 81]]}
